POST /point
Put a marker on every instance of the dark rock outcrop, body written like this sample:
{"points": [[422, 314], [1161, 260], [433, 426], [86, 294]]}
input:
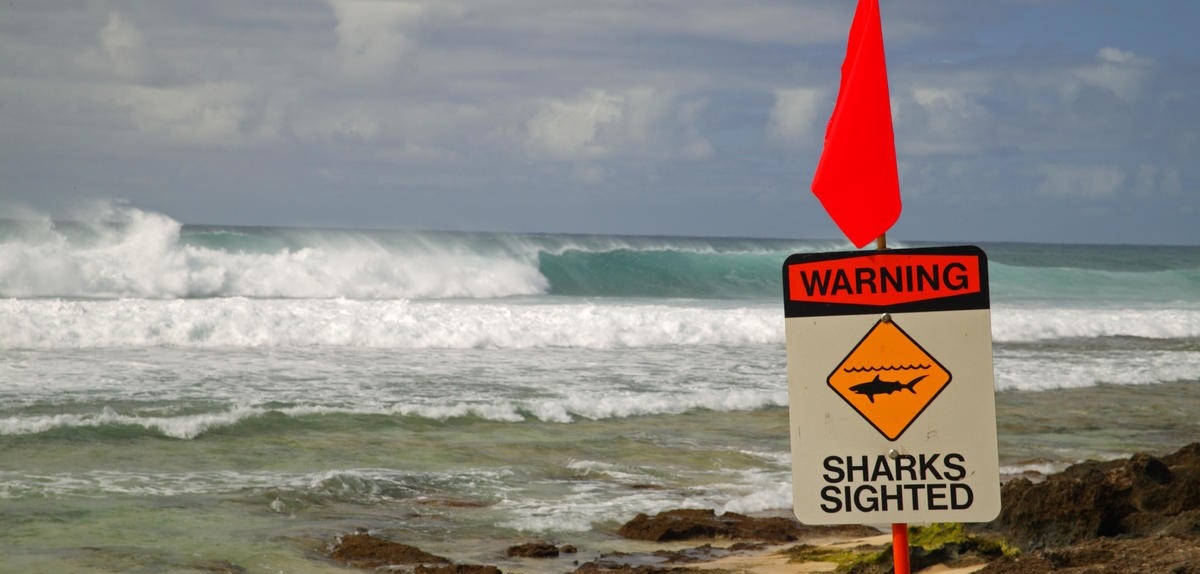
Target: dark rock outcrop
{"points": [[1142, 496], [457, 569], [691, 524], [533, 550], [363, 550], [1167, 554]]}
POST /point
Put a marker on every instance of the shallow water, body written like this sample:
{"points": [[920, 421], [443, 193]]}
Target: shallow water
{"points": [[270, 493]]}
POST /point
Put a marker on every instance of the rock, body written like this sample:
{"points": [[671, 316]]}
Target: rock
{"points": [[362, 550], [691, 524], [533, 550], [594, 568], [365, 551], [664, 561], [1167, 554], [456, 569], [218, 567], [1141, 496]]}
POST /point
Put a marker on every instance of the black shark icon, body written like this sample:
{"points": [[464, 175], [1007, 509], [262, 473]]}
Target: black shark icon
{"points": [[877, 387]]}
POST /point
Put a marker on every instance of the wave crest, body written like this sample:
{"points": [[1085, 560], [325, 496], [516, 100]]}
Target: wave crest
{"points": [[125, 252]]}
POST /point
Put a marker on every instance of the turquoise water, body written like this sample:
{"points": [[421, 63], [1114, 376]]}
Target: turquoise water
{"points": [[174, 398]]}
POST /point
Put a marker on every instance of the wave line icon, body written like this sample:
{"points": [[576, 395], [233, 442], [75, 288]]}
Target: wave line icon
{"points": [[885, 368]]}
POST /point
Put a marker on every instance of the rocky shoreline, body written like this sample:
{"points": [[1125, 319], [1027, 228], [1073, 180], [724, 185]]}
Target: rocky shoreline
{"points": [[1140, 514]]}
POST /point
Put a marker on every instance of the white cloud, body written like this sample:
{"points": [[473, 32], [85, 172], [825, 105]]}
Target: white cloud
{"points": [[352, 120], [1152, 180], [947, 119], [695, 145], [210, 114], [588, 174], [601, 124], [642, 109], [1061, 105], [796, 115], [785, 22], [374, 36], [699, 148], [1088, 182], [1121, 73], [569, 129], [122, 44]]}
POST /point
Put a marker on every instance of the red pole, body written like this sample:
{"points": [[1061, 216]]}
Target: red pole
{"points": [[900, 547], [899, 529]]}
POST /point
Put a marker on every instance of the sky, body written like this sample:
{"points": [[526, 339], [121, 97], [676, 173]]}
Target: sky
{"points": [[1065, 121]]}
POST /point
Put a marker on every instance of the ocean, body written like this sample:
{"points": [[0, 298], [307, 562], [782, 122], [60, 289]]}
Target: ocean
{"points": [[179, 398]]}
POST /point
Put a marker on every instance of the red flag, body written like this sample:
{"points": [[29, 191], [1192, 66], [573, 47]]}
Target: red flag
{"points": [[856, 179]]}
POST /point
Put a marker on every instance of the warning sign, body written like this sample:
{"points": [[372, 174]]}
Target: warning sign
{"points": [[888, 362], [891, 386]]}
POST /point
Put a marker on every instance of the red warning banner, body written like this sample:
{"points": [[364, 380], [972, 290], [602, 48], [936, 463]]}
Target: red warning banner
{"points": [[943, 278]]}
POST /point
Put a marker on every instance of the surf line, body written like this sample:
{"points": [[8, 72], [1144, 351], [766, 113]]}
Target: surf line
{"points": [[902, 483]]}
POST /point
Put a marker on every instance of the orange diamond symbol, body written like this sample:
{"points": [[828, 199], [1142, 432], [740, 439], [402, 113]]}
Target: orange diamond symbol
{"points": [[889, 379]]}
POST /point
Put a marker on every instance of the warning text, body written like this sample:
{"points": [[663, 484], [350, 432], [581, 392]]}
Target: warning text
{"points": [[883, 279], [895, 483]]}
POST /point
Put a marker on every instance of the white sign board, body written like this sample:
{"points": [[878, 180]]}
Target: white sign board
{"points": [[891, 387]]}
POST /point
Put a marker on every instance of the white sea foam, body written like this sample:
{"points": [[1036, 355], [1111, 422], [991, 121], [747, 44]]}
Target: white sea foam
{"points": [[605, 498], [1040, 323], [184, 427], [1034, 469], [599, 406], [1043, 370], [123, 252], [567, 410], [772, 494], [241, 322], [358, 484], [587, 503], [625, 474]]}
